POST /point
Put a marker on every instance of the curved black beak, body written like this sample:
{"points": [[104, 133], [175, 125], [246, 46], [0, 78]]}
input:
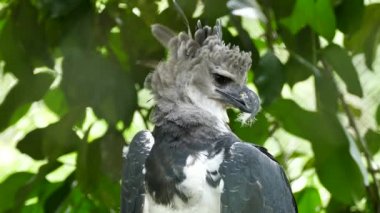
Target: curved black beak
{"points": [[242, 98]]}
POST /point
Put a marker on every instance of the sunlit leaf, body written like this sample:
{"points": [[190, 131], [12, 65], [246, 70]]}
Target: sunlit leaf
{"points": [[309, 200], [56, 101], [302, 13], [105, 46], [323, 21], [319, 15]]}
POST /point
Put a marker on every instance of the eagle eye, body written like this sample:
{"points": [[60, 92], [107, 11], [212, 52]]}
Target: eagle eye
{"points": [[221, 80]]}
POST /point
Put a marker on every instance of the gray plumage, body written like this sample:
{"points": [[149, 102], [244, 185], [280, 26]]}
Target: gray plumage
{"points": [[196, 163]]}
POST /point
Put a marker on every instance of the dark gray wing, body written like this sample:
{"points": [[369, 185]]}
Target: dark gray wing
{"points": [[254, 182], [132, 191]]}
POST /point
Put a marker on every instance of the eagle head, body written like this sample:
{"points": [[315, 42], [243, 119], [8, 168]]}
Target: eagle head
{"points": [[203, 72]]}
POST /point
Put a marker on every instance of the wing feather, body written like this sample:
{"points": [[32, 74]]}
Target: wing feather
{"points": [[132, 191], [254, 182]]}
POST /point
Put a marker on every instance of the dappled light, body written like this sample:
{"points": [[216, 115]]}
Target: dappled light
{"points": [[72, 95]]}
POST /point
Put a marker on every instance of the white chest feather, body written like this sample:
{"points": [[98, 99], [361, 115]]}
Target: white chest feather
{"points": [[203, 198]]}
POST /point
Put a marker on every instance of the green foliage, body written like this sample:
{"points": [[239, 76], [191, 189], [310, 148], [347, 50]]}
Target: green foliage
{"points": [[269, 78], [81, 56], [309, 200], [341, 62]]}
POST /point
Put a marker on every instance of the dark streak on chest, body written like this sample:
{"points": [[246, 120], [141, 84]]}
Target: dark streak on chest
{"points": [[173, 144]]}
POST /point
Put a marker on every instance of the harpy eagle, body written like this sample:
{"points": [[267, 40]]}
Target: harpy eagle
{"points": [[192, 161]]}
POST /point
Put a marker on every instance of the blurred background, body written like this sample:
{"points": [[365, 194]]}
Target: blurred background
{"points": [[71, 95]]}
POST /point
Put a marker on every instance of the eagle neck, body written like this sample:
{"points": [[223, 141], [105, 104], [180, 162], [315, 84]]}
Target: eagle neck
{"points": [[186, 115]]}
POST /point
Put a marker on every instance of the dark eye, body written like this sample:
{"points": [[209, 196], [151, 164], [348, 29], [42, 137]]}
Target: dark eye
{"points": [[221, 80]]}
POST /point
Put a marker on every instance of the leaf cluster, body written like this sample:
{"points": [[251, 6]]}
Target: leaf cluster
{"points": [[76, 56]]}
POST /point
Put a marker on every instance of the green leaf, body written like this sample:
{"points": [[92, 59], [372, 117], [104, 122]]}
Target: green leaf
{"points": [[295, 71], [32, 144], [367, 37], [135, 35], [90, 79], [283, 8], [13, 53], [37, 186], [35, 208], [19, 113], [318, 14], [54, 200], [303, 45], [20, 97], [256, 133], [111, 143], [54, 140], [29, 30], [323, 21], [94, 79], [188, 7], [269, 78], [334, 158], [302, 13], [349, 14], [9, 187], [215, 9], [337, 206], [99, 169], [308, 200], [81, 202], [373, 141], [341, 62], [56, 101], [326, 93], [56, 9]]}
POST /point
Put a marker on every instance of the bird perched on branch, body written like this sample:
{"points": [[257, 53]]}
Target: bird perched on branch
{"points": [[192, 161]]}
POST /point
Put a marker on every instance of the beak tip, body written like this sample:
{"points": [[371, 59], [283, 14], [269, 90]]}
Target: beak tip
{"points": [[252, 102]]}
